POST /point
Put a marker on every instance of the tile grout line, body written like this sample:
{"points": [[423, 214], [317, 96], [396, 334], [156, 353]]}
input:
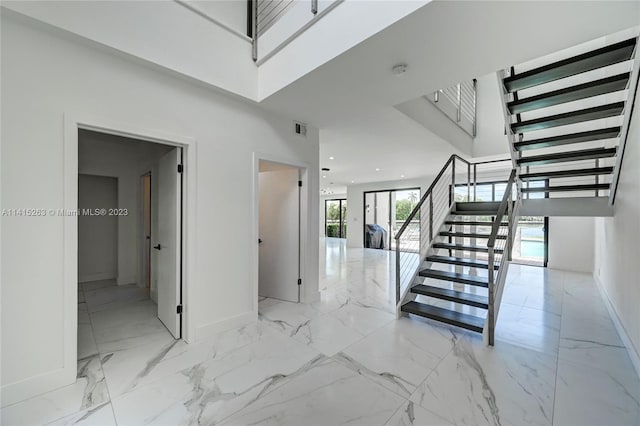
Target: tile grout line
{"points": [[555, 383], [99, 355]]}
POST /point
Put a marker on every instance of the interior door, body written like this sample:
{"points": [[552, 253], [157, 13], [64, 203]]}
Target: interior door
{"points": [[279, 233], [167, 242]]}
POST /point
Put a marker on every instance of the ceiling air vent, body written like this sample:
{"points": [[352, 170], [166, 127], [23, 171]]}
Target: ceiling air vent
{"points": [[300, 129]]}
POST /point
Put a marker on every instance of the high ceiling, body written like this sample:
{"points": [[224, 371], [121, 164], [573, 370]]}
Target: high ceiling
{"points": [[352, 98]]}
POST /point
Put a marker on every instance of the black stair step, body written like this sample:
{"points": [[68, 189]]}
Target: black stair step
{"points": [[452, 296], [567, 188], [587, 114], [470, 322], [592, 135], [477, 205], [462, 247], [473, 223], [475, 213], [461, 261], [528, 177], [569, 94], [608, 55], [562, 157], [469, 235], [454, 277]]}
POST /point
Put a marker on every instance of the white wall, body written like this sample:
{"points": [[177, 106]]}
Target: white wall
{"points": [[97, 235], [616, 242], [355, 203], [163, 33], [45, 76], [571, 244], [232, 13]]}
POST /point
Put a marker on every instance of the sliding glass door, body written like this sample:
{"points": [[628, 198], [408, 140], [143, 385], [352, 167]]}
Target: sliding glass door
{"points": [[384, 214], [335, 218]]}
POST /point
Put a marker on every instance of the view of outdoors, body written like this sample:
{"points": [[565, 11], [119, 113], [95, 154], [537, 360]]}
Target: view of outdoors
{"points": [[389, 210], [529, 240], [336, 218]]}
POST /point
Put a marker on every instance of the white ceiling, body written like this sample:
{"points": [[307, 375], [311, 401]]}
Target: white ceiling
{"points": [[352, 98]]}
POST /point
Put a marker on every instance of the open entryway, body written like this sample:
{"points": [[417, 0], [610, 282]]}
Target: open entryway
{"points": [[279, 275], [130, 256]]}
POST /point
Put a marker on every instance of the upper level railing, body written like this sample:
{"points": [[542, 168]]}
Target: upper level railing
{"points": [[459, 103], [265, 14], [415, 236]]}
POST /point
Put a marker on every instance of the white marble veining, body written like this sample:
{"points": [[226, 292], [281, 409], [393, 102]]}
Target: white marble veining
{"points": [[88, 391], [101, 415], [411, 414], [326, 394], [588, 396], [479, 385], [345, 359]]}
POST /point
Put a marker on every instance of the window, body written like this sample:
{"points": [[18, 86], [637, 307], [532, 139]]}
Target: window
{"points": [[335, 218]]}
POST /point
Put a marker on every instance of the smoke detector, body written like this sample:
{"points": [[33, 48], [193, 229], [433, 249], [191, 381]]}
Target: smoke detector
{"points": [[399, 69]]}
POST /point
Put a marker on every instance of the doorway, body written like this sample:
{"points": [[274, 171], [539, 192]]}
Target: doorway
{"points": [[137, 227], [279, 231], [385, 212], [335, 218]]}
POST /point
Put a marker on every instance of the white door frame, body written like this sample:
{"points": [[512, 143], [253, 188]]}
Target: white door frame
{"points": [[73, 123], [304, 221]]}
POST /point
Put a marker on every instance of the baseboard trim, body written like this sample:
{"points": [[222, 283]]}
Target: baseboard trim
{"points": [[96, 277], [37, 385], [208, 330], [624, 336]]}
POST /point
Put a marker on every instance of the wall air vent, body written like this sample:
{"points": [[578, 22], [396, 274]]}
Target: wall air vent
{"points": [[300, 129]]}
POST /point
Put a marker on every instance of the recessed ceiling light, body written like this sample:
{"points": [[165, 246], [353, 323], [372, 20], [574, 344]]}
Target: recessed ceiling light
{"points": [[324, 176], [401, 176], [331, 158], [377, 169], [353, 181]]}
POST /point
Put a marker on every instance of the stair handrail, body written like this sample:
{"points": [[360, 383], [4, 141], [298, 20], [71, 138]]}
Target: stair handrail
{"points": [[626, 125], [471, 170], [496, 283]]}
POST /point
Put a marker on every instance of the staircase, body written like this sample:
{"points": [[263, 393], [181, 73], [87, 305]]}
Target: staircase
{"points": [[567, 123]]}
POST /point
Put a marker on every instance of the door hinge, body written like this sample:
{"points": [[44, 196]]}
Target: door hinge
{"points": [[299, 281], [180, 168], [179, 309], [300, 183]]}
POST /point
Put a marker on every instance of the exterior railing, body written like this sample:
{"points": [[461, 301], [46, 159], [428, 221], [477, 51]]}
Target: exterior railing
{"points": [[412, 242], [459, 103]]}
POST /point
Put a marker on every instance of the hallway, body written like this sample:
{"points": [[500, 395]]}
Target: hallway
{"points": [[345, 359]]}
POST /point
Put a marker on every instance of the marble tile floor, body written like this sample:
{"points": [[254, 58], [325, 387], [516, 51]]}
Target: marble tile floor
{"points": [[346, 360]]}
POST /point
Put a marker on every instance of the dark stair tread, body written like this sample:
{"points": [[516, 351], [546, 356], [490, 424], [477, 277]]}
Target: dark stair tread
{"points": [[473, 263], [454, 277], [473, 223], [470, 322], [605, 56], [561, 157], [567, 188], [572, 117], [462, 247], [592, 135], [528, 177], [468, 235], [568, 94], [477, 205], [470, 299], [475, 213]]}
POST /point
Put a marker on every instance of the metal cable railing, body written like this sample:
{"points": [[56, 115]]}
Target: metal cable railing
{"points": [[459, 103], [414, 238], [499, 250]]}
